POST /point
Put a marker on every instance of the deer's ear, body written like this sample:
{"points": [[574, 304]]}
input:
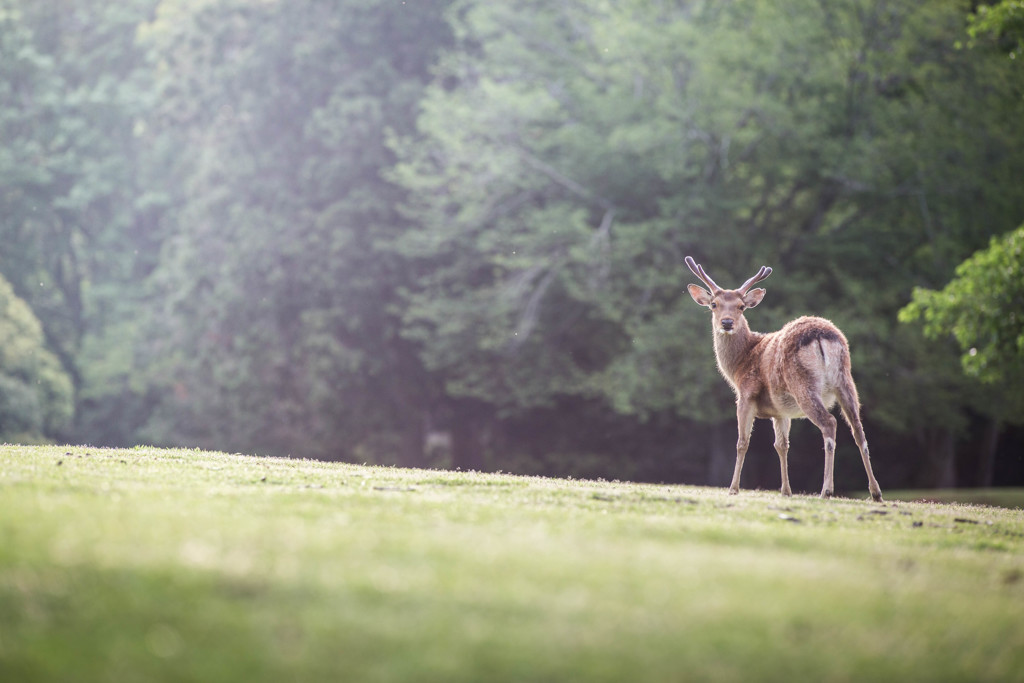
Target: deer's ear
{"points": [[700, 295], [753, 297]]}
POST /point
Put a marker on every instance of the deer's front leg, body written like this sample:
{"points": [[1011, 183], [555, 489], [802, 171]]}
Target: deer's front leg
{"points": [[745, 424]]}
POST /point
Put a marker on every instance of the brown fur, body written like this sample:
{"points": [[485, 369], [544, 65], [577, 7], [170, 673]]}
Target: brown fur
{"points": [[802, 370]]}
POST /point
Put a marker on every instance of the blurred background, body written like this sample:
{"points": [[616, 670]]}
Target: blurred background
{"points": [[445, 233]]}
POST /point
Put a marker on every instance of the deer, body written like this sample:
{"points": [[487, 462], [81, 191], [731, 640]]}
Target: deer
{"points": [[799, 371]]}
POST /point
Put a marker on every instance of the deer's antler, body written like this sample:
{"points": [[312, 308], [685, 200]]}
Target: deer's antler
{"points": [[761, 274], [698, 270]]}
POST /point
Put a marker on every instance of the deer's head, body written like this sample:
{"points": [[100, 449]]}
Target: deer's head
{"points": [[727, 305]]}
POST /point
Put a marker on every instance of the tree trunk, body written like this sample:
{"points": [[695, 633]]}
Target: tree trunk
{"points": [[987, 452], [467, 446], [940, 460], [413, 442], [723, 454]]}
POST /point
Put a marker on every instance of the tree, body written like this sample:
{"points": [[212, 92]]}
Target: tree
{"points": [[571, 155], [1002, 22], [274, 326], [979, 308], [330, 229], [78, 228], [35, 392]]}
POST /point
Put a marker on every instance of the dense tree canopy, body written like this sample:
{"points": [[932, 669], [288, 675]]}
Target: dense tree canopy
{"points": [[570, 155], [273, 283], [77, 213], [451, 232]]}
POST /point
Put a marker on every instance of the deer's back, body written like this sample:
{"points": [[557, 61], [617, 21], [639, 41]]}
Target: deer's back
{"points": [[805, 331]]}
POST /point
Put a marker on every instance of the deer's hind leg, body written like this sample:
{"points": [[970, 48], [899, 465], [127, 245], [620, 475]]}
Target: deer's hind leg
{"points": [[782, 425], [850, 405], [817, 413]]}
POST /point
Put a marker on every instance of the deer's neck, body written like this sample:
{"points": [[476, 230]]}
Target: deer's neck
{"points": [[733, 351]]}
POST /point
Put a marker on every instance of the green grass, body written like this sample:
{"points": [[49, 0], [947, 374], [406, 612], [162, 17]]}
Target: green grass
{"points": [[155, 565], [999, 497]]}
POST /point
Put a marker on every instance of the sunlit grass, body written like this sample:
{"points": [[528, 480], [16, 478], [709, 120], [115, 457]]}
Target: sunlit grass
{"points": [[156, 565]]}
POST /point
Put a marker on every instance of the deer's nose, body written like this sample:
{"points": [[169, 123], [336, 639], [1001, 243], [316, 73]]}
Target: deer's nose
{"points": [[727, 323]]}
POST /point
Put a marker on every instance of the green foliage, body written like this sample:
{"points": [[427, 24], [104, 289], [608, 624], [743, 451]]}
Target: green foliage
{"points": [[78, 224], [1004, 22], [36, 396], [980, 309], [332, 229], [570, 156], [275, 326]]}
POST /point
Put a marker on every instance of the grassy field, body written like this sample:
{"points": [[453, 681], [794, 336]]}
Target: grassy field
{"points": [[155, 565], [999, 497]]}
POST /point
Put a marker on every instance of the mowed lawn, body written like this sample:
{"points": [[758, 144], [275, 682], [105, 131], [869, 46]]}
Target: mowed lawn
{"points": [[175, 565]]}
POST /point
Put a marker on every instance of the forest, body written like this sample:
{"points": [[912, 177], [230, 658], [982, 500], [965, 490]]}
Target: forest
{"points": [[450, 233]]}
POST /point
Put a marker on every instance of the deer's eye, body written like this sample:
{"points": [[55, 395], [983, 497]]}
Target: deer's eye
{"points": [[742, 307], [714, 305]]}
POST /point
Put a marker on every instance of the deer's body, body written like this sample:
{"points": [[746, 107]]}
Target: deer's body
{"points": [[755, 365], [802, 370]]}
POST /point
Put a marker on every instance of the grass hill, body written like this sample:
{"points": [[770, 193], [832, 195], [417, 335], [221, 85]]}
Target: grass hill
{"points": [[175, 565]]}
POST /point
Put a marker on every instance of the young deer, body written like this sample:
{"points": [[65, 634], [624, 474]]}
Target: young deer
{"points": [[800, 371]]}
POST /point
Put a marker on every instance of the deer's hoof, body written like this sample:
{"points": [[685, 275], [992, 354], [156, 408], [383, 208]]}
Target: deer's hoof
{"points": [[787, 492], [826, 493], [733, 492], [876, 496]]}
